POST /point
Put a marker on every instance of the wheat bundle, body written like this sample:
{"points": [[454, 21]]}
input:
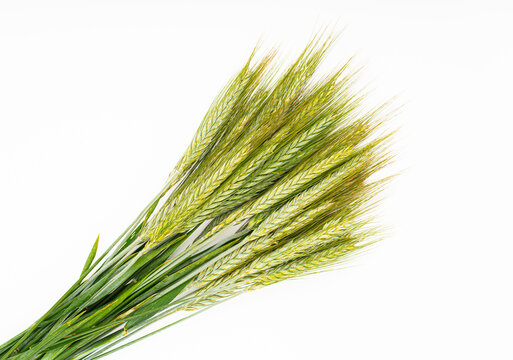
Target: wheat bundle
{"points": [[278, 182]]}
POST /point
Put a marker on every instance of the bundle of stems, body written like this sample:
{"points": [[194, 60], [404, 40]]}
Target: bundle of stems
{"points": [[278, 182]]}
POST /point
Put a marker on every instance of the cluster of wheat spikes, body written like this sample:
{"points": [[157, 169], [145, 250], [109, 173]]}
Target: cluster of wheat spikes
{"points": [[278, 182]]}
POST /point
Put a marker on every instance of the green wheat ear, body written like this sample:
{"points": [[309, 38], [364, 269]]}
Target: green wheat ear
{"points": [[281, 180]]}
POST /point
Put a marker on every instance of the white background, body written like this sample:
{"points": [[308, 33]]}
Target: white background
{"points": [[98, 100]]}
